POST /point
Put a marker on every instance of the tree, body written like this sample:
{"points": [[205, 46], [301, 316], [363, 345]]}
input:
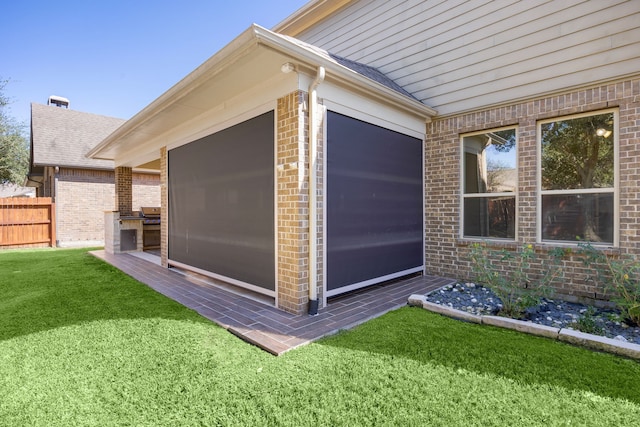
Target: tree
{"points": [[14, 146], [576, 154]]}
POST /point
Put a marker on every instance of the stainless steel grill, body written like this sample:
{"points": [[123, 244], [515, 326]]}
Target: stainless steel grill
{"points": [[150, 227]]}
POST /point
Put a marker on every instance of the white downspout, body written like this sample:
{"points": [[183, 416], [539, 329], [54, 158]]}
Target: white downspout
{"points": [[54, 198], [313, 214]]}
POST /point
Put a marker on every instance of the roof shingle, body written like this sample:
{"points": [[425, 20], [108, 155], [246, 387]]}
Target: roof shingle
{"points": [[62, 137]]}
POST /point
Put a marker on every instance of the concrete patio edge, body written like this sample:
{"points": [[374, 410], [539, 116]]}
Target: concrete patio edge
{"points": [[570, 336]]}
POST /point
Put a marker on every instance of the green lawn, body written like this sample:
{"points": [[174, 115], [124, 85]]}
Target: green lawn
{"points": [[83, 344]]}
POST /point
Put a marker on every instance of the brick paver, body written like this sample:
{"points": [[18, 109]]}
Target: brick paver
{"points": [[264, 325]]}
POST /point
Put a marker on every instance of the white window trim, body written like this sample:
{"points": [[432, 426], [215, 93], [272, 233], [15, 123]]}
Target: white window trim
{"points": [[464, 196], [616, 184]]}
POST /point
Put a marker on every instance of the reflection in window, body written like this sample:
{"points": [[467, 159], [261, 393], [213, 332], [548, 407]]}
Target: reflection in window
{"points": [[489, 184], [577, 157], [565, 217]]}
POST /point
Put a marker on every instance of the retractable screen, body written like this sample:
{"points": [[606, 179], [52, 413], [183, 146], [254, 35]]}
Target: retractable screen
{"points": [[374, 199], [221, 203]]}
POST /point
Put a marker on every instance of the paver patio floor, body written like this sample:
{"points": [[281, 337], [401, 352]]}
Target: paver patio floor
{"points": [[262, 324]]}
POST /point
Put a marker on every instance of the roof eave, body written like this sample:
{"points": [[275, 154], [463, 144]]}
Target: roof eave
{"points": [[218, 62], [252, 37], [71, 166]]}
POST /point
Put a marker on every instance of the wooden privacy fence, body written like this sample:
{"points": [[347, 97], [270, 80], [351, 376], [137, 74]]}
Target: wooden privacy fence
{"points": [[27, 222]]}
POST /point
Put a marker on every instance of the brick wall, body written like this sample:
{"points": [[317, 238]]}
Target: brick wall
{"points": [[81, 199], [292, 205], [448, 255], [84, 194], [146, 190], [164, 211], [124, 190]]}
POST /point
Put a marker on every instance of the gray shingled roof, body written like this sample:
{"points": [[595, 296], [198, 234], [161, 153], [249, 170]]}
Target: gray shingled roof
{"points": [[372, 73], [62, 137], [358, 67]]}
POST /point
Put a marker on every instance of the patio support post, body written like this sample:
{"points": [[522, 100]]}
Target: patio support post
{"points": [[164, 209], [124, 191], [292, 206]]}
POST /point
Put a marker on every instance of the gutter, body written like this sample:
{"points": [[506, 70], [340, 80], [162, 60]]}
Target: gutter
{"points": [[313, 196]]}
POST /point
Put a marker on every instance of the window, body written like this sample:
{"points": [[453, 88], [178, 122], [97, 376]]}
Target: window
{"points": [[577, 179], [490, 179]]}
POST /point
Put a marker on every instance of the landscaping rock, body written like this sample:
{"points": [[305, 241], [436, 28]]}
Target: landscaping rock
{"points": [[558, 313], [479, 301]]}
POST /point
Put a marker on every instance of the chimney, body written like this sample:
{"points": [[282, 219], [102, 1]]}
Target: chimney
{"points": [[58, 101]]}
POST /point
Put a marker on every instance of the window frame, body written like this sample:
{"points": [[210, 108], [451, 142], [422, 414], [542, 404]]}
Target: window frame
{"points": [[615, 190], [464, 196]]}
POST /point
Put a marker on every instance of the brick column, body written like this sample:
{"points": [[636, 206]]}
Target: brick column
{"points": [[292, 205], [164, 208], [124, 191]]}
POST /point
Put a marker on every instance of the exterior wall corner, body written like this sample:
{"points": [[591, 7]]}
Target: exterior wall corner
{"points": [[292, 204]]}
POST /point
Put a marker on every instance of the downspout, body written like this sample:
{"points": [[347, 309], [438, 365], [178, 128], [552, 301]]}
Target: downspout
{"points": [[313, 214], [54, 198]]}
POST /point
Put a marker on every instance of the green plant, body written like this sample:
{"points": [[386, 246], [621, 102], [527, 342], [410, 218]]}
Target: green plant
{"points": [[510, 276], [587, 323], [620, 274], [614, 317]]}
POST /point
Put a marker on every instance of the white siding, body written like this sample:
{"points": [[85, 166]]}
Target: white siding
{"points": [[457, 55]]}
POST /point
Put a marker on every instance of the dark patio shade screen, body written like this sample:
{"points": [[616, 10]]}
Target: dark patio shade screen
{"points": [[374, 204], [221, 203]]}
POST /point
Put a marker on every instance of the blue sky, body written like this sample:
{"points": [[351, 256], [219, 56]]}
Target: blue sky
{"points": [[113, 57]]}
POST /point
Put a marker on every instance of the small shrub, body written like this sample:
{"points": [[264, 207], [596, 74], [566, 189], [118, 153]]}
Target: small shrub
{"points": [[509, 275], [621, 275], [587, 323], [614, 317]]}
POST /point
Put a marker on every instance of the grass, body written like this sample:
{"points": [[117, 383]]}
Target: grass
{"points": [[83, 344]]}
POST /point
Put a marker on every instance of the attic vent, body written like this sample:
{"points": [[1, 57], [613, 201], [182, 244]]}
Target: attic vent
{"points": [[58, 101]]}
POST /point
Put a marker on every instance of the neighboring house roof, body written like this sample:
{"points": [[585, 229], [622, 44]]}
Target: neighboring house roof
{"points": [[246, 62], [62, 137]]}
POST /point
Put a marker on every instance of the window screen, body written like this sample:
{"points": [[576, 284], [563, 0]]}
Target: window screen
{"points": [[221, 203]]}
